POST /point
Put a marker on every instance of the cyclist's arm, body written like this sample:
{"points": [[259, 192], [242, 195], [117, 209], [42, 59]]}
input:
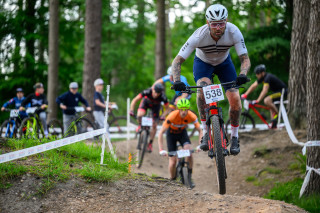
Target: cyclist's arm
{"points": [[99, 103], [245, 63], [197, 127], [158, 81], [160, 136], [84, 101], [251, 88], [8, 103], [176, 67], [263, 92], [134, 101]]}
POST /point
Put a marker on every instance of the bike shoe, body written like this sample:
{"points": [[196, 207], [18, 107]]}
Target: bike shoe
{"points": [[204, 142], [149, 149], [235, 147], [138, 129]]}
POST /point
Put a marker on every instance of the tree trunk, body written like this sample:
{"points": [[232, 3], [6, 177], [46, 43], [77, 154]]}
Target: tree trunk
{"points": [[141, 22], [30, 40], [160, 40], [298, 64], [262, 14], [252, 15], [92, 56], [168, 32], [207, 4], [18, 36], [53, 68], [313, 96]]}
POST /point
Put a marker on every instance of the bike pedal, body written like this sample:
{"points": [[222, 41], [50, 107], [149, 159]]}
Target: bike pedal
{"points": [[211, 154]]}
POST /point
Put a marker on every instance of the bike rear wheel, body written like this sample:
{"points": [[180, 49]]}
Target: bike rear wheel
{"points": [[55, 128], [246, 123], [219, 157], [142, 145]]}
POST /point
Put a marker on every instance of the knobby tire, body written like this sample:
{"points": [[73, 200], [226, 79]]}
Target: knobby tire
{"points": [[219, 157], [143, 140], [186, 177]]}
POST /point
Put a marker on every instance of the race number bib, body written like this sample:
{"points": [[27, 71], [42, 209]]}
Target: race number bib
{"points": [[31, 110], [183, 153], [213, 93], [146, 121], [79, 109], [14, 113]]}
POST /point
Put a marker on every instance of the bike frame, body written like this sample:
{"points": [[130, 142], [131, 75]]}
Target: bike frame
{"points": [[214, 110], [13, 122], [253, 107]]}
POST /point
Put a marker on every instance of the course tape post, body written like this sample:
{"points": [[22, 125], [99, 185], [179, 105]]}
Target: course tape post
{"points": [[295, 141], [48, 146]]}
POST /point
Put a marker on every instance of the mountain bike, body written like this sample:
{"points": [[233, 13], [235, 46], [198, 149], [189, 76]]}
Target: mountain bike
{"points": [[115, 122], [218, 140], [247, 122], [9, 127], [182, 166], [80, 124], [31, 127], [144, 133]]}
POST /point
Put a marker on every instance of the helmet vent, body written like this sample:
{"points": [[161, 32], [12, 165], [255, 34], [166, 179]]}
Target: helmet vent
{"points": [[217, 12]]}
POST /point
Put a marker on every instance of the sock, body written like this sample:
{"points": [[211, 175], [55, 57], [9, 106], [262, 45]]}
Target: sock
{"points": [[234, 131], [204, 126]]}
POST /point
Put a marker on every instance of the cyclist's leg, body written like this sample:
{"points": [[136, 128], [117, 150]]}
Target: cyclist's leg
{"points": [[155, 117], [172, 146], [43, 119], [99, 118], [202, 73], [268, 101], [142, 109], [186, 144], [226, 72], [67, 120]]}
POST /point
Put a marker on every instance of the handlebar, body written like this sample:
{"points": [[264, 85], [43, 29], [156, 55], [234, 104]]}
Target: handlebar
{"points": [[190, 91]]}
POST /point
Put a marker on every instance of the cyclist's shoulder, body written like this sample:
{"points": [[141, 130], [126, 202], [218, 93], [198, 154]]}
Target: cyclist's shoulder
{"points": [[192, 115], [174, 115], [201, 32]]}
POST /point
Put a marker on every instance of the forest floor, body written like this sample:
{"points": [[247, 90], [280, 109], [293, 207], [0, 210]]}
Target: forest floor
{"points": [[266, 158]]}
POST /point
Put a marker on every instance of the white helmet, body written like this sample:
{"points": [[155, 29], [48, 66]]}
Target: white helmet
{"points": [[216, 12], [169, 71]]}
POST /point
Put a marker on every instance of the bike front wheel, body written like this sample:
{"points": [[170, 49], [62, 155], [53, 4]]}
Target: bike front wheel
{"points": [[219, 157], [142, 146], [7, 130], [29, 128]]}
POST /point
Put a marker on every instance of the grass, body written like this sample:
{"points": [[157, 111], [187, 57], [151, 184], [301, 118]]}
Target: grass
{"points": [[289, 193], [61, 164]]}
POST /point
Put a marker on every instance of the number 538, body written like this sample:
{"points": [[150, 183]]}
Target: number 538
{"points": [[213, 93]]}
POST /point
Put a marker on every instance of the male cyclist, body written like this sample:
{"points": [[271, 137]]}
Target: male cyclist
{"points": [[271, 82], [212, 42], [16, 101], [175, 128], [151, 98], [37, 99], [67, 101]]}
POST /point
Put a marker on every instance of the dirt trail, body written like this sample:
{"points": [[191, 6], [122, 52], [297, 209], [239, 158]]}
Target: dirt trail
{"points": [[275, 144], [157, 194]]}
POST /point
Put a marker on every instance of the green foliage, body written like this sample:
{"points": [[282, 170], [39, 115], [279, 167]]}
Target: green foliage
{"points": [[122, 57], [289, 192], [9, 171]]}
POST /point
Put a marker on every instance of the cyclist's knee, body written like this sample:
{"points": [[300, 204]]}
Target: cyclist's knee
{"points": [[267, 100]]}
